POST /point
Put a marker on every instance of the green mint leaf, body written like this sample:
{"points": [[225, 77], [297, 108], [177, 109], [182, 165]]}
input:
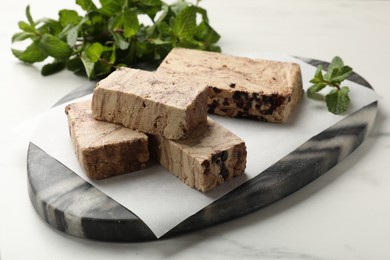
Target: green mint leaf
{"points": [[111, 7], [26, 27], [88, 65], [318, 74], [29, 17], [86, 5], [215, 48], [330, 74], [163, 29], [184, 26], [316, 88], [115, 22], [336, 62], [159, 41], [341, 74], [112, 56], [190, 43], [312, 92], [120, 41], [68, 17], [55, 47], [50, 26], [33, 53], [102, 68], [21, 36], [51, 68], [318, 77], [130, 23], [335, 65], [205, 33], [178, 7], [75, 64], [338, 100], [163, 15], [94, 51], [151, 3], [70, 32], [203, 13], [150, 7], [71, 37]]}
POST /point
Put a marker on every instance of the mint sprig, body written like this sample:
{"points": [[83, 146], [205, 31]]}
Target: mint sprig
{"points": [[337, 100], [106, 37]]}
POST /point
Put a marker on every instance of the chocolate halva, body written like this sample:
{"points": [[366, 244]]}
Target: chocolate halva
{"points": [[237, 86], [104, 149], [207, 158], [150, 103]]}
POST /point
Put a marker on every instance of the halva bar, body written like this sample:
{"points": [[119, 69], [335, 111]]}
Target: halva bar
{"points": [[150, 103], [104, 149], [206, 159], [240, 87]]}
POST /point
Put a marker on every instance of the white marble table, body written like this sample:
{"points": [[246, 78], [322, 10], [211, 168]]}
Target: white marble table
{"points": [[342, 215]]}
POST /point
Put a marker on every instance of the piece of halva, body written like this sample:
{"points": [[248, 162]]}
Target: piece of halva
{"points": [[240, 87], [104, 149], [150, 103], [207, 158]]}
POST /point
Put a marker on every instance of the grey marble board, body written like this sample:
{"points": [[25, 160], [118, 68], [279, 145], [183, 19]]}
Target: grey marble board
{"points": [[69, 204]]}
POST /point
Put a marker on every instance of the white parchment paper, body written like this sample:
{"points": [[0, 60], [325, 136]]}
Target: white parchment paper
{"points": [[160, 199]]}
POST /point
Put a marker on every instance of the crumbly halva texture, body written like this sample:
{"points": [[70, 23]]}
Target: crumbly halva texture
{"points": [[207, 158], [150, 103], [237, 86], [104, 149]]}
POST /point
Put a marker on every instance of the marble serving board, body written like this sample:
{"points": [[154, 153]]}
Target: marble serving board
{"points": [[70, 204]]}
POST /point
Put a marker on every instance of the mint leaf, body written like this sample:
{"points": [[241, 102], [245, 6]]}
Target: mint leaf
{"points": [[51, 68], [184, 26], [55, 47], [318, 77], [29, 17], [94, 51], [338, 100], [151, 8], [130, 23], [316, 88], [163, 29], [31, 54], [203, 13], [341, 74], [101, 68], [21, 36], [88, 64], [68, 17], [178, 7], [75, 64], [336, 64], [86, 5], [312, 91], [204, 32], [120, 41], [26, 27], [49, 26], [111, 7], [71, 36]]}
